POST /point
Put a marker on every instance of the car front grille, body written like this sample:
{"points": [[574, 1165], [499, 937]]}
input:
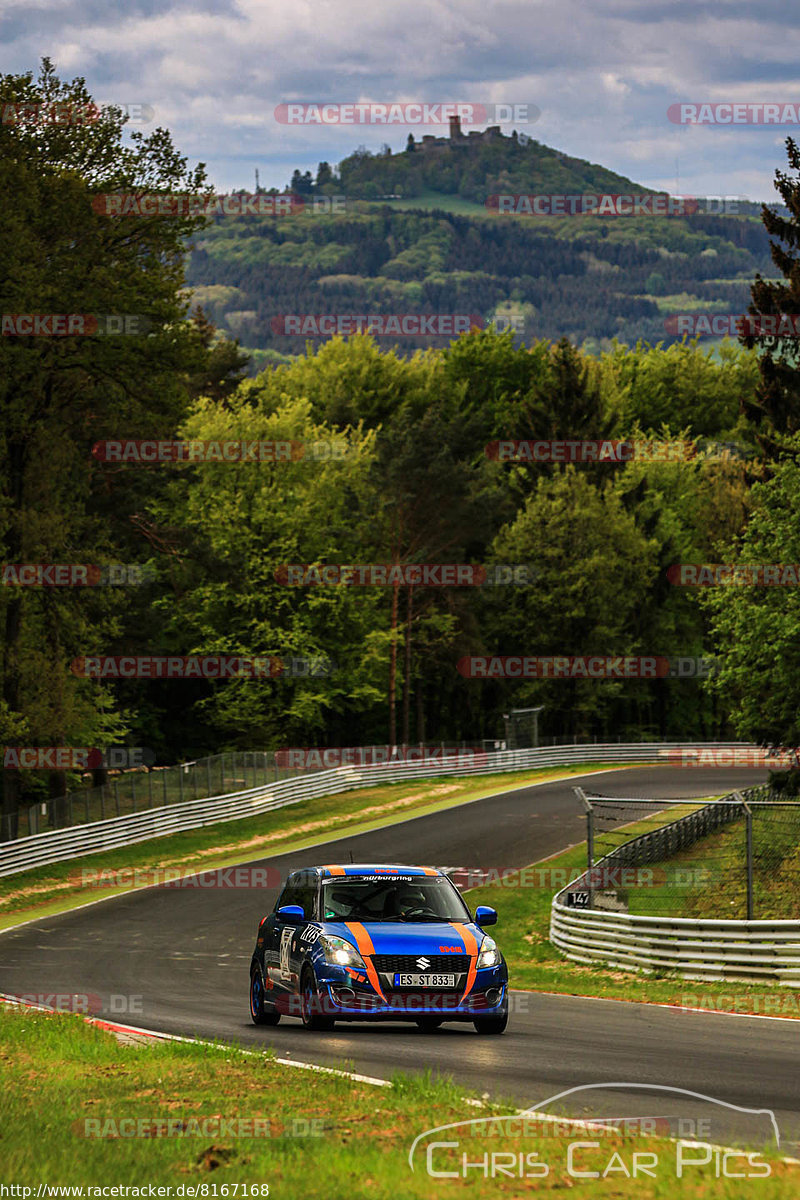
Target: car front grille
{"points": [[440, 964]]}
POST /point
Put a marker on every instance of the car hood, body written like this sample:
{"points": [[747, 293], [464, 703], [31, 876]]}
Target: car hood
{"points": [[408, 937]]}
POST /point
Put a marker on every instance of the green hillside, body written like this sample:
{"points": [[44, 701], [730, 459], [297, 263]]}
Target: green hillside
{"points": [[412, 233]]}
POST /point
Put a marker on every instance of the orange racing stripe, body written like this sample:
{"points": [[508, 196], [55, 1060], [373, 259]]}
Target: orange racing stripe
{"points": [[471, 947], [366, 950]]}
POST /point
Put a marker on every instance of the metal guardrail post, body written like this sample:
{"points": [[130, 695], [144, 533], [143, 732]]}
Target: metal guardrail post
{"points": [[748, 821], [581, 794]]}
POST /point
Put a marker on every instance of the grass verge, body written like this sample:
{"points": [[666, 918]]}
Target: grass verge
{"points": [[58, 887], [523, 901], [73, 1096]]}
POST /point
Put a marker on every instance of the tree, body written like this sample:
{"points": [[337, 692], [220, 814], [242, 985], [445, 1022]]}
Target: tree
{"points": [[59, 395], [775, 410], [595, 568], [302, 183], [224, 364], [227, 529], [324, 175], [755, 626]]}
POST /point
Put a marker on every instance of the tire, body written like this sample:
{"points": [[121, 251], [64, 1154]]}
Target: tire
{"points": [[260, 1014], [429, 1024], [489, 1025], [310, 1005]]}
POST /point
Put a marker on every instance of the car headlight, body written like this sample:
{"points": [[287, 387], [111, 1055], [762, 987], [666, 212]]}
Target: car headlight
{"points": [[341, 952], [489, 955]]}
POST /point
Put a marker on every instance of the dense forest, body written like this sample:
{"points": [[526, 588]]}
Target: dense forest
{"points": [[441, 246], [406, 474], [589, 279]]}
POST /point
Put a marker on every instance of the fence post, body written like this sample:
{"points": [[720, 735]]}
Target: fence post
{"points": [[208, 776], [581, 794], [748, 821]]}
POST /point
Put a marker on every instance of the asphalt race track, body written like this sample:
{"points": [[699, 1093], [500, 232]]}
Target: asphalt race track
{"points": [[180, 959]]}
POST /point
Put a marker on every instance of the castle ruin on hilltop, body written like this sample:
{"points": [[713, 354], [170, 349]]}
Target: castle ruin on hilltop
{"points": [[459, 138]]}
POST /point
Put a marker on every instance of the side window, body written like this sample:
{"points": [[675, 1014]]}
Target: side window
{"points": [[287, 896], [300, 889], [306, 896]]}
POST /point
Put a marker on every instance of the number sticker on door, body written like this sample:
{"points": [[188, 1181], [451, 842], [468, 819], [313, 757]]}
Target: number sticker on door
{"points": [[286, 942]]}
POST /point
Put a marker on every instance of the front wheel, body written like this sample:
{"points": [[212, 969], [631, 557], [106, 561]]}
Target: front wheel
{"points": [[491, 1024], [260, 1015], [311, 1003]]}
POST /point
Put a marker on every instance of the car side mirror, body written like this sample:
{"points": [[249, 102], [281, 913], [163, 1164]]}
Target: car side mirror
{"points": [[485, 916], [291, 914]]}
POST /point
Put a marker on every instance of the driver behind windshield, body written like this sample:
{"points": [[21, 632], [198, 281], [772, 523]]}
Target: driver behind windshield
{"points": [[391, 900]]}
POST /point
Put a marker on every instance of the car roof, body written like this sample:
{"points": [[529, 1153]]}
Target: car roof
{"points": [[382, 869]]}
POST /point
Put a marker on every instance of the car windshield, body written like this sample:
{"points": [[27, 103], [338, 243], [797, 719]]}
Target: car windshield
{"points": [[399, 898]]}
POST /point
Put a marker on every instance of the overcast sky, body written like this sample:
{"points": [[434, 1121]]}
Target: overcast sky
{"points": [[603, 73]]}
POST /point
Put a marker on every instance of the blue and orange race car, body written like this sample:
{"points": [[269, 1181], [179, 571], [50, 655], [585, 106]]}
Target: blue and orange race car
{"points": [[356, 943]]}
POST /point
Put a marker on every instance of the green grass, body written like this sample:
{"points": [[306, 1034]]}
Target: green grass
{"points": [[58, 887], [713, 873], [523, 902], [322, 1135]]}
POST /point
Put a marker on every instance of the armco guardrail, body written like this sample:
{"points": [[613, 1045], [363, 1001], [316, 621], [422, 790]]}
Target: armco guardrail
{"points": [[77, 841], [698, 948]]}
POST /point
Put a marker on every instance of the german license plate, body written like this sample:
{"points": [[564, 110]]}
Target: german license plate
{"points": [[424, 981]]}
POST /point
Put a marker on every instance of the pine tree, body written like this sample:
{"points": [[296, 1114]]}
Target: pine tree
{"points": [[775, 411]]}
